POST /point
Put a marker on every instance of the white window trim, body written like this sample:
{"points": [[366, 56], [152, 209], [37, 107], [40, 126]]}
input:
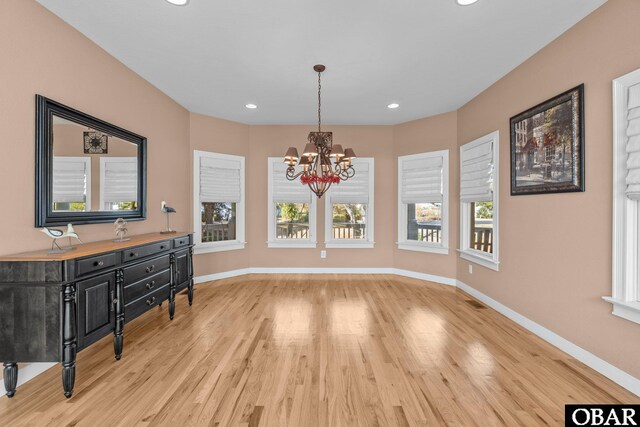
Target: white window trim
{"points": [[369, 243], [625, 274], [403, 243], [229, 245], [466, 252], [272, 242], [87, 168], [103, 161]]}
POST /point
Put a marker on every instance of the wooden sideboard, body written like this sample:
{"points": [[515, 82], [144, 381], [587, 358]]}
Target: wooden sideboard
{"points": [[54, 305]]}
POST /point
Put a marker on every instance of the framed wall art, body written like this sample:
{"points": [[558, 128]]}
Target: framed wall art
{"points": [[547, 146]]}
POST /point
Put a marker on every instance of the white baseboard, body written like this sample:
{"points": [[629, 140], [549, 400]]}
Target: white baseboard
{"points": [[591, 360], [269, 270], [223, 275]]}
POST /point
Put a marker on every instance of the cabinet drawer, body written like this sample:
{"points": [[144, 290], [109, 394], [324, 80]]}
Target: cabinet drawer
{"points": [[180, 242], [95, 263], [134, 254], [139, 306], [147, 285], [145, 269]]}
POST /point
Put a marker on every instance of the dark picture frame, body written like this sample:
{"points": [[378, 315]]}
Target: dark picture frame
{"points": [[46, 109], [547, 146]]}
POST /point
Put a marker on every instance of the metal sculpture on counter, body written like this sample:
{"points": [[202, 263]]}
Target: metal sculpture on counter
{"points": [[57, 234], [121, 230], [168, 210]]}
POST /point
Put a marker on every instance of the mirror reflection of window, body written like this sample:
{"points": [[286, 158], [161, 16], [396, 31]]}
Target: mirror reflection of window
{"points": [[71, 184], [110, 177], [118, 183]]}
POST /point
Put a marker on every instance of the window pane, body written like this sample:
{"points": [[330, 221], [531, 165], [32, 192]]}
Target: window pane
{"points": [[424, 222], [218, 221], [121, 206], [481, 228], [70, 206], [349, 221], [292, 220]]}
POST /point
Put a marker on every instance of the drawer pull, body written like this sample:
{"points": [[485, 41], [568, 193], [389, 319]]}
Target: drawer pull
{"points": [[98, 263], [151, 301], [150, 269], [133, 254], [162, 248], [151, 285], [181, 242]]}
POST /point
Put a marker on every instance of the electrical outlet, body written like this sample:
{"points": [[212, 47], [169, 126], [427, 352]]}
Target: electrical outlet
{"points": [[323, 254], [470, 269]]}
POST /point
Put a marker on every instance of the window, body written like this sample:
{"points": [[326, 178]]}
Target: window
{"points": [[479, 201], [291, 210], [218, 183], [423, 202], [625, 294], [349, 209], [71, 184], [118, 183]]}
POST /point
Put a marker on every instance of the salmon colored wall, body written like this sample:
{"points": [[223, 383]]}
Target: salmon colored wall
{"points": [[556, 249], [367, 141], [43, 55], [419, 136], [226, 137]]}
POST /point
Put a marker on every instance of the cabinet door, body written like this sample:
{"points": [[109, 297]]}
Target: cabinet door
{"points": [[182, 269], [96, 315]]}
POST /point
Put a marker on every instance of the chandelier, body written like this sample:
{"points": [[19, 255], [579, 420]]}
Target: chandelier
{"points": [[322, 163]]}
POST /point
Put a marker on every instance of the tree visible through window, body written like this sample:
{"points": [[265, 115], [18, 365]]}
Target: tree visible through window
{"points": [[349, 221], [292, 220]]}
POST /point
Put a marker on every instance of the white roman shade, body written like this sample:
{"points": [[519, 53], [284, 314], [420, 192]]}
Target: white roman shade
{"points": [[70, 179], [421, 180], [284, 190], [355, 189], [220, 180], [120, 179], [633, 144], [476, 172]]}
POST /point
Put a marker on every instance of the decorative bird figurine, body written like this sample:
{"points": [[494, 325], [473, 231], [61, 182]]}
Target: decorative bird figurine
{"points": [[168, 210], [56, 234]]}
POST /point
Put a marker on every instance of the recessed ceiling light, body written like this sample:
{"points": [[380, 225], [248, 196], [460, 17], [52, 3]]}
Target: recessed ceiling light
{"points": [[393, 106], [251, 106], [178, 2], [466, 2]]}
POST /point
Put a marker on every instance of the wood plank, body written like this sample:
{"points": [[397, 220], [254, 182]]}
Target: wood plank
{"points": [[320, 350]]}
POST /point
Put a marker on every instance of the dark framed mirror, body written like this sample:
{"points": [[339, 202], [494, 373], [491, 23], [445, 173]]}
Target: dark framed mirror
{"points": [[87, 170]]}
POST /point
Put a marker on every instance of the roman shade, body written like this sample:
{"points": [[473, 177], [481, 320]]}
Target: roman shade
{"points": [[421, 180], [633, 143], [220, 180], [70, 179], [120, 179], [476, 172], [356, 189], [284, 190]]}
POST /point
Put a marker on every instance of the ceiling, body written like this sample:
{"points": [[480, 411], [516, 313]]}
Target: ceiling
{"points": [[214, 56]]}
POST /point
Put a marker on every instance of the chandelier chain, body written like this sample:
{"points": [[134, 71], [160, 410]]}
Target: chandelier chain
{"points": [[319, 101]]}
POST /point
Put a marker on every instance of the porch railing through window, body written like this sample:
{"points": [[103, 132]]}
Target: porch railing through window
{"points": [[292, 230], [347, 230], [217, 232]]}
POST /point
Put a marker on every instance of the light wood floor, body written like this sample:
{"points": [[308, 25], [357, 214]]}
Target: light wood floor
{"points": [[324, 350]]}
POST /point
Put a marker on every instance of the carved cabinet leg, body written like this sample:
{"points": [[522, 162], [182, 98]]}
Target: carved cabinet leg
{"points": [[172, 286], [69, 340], [190, 291], [118, 339], [10, 376]]}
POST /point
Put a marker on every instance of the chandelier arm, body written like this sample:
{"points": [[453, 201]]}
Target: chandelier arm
{"points": [[319, 100]]}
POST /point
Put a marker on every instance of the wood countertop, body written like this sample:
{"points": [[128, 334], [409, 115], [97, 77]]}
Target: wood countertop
{"points": [[93, 248]]}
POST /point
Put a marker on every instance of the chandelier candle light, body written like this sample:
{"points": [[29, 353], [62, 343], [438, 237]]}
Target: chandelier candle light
{"points": [[322, 163]]}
